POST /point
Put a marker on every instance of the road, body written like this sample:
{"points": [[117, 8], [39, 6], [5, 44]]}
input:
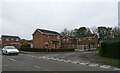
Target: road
{"points": [[48, 62]]}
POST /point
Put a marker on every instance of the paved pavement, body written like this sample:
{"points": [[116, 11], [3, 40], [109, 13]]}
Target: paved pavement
{"points": [[67, 61]]}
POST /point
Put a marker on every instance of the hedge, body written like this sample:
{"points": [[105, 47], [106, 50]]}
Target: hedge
{"points": [[110, 49], [45, 50]]}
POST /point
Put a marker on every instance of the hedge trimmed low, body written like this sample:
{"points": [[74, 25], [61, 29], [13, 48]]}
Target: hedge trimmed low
{"points": [[45, 50]]}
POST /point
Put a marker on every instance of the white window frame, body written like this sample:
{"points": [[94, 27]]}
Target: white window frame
{"points": [[67, 40], [58, 37], [63, 39], [17, 39], [7, 39], [46, 35], [12, 39]]}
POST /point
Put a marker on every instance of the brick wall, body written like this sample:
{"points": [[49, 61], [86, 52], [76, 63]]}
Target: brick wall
{"points": [[40, 40], [11, 41]]}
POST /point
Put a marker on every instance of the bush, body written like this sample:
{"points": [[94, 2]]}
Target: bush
{"points": [[45, 50], [110, 49]]}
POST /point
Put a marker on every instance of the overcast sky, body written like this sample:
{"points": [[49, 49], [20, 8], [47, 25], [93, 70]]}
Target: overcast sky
{"points": [[22, 17]]}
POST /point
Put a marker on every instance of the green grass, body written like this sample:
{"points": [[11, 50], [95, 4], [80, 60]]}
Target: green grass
{"points": [[109, 61], [112, 61]]}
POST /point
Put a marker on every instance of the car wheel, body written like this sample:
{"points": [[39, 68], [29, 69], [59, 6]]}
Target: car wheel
{"points": [[6, 53], [16, 53], [2, 53]]}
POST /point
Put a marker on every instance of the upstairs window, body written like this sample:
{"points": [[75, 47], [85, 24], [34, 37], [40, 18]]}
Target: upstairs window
{"points": [[58, 37], [67, 40], [7, 39], [12, 39], [46, 35], [17, 40], [63, 39]]}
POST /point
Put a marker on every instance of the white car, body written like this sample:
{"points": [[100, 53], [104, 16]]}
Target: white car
{"points": [[10, 50]]}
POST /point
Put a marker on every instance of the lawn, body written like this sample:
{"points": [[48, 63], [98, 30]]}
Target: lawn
{"points": [[104, 60]]}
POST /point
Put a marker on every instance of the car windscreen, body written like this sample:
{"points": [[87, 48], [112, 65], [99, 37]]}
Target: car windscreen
{"points": [[10, 48]]}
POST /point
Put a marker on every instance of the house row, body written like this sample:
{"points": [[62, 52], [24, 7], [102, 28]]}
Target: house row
{"points": [[51, 39], [86, 43], [7, 40], [10, 40]]}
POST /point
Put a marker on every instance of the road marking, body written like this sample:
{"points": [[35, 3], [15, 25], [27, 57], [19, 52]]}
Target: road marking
{"points": [[116, 68], [37, 67], [75, 62], [57, 59], [63, 60], [5, 65], [105, 66], [69, 61], [82, 63], [93, 65], [39, 57], [43, 57], [12, 59]]}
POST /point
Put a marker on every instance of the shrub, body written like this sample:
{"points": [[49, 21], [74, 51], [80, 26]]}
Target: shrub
{"points": [[110, 49], [45, 50]]}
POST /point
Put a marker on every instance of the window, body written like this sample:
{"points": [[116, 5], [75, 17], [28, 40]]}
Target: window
{"points": [[58, 37], [67, 40], [7, 39], [63, 39], [12, 39], [16, 39], [46, 35], [46, 45]]}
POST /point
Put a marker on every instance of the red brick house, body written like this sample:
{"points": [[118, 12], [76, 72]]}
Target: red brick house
{"points": [[84, 43], [87, 43], [10, 40], [68, 42], [46, 39]]}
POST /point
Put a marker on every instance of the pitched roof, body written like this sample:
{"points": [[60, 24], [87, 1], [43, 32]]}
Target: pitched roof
{"points": [[8, 36], [48, 31]]}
